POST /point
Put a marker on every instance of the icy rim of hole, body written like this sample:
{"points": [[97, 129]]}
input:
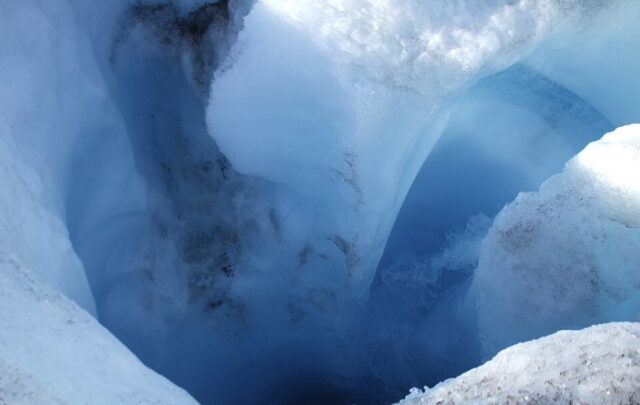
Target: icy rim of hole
{"points": [[596, 365]]}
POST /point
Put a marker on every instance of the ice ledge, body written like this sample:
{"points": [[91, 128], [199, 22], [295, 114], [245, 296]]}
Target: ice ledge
{"points": [[596, 365]]}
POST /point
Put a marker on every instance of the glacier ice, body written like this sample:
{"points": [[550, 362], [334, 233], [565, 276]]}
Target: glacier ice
{"points": [[291, 196], [385, 83], [59, 124], [377, 77], [536, 126], [58, 353], [596, 365], [565, 256]]}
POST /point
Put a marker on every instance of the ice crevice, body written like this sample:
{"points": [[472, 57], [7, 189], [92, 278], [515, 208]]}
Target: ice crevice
{"points": [[287, 201]]}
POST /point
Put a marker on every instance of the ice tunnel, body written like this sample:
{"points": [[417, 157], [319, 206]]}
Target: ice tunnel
{"points": [[292, 202]]}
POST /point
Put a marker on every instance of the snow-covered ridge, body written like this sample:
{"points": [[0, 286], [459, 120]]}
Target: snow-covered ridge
{"points": [[596, 365]]}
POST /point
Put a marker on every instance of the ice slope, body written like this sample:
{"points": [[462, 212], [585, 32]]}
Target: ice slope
{"points": [[596, 365], [54, 352], [565, 256]]}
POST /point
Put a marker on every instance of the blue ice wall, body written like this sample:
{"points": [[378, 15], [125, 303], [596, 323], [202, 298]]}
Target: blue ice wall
{"points": [[286, 203], [254, 267]]}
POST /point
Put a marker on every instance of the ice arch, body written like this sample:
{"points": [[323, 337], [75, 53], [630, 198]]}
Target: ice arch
{"points": [[506, 134], [585, 220], [355, 97], [377, 118]]}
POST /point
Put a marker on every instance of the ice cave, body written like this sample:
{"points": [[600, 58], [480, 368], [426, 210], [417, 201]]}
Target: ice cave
{"points": [[319, 202]]}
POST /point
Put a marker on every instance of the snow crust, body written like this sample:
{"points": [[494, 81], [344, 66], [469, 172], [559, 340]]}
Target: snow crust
{"points": [[596, 365], [565, 256]]}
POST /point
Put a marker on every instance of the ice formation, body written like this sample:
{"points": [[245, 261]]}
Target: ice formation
{"points": [[53, 352], [291, 195], [377, 77], [596, 365], [566, 256]]}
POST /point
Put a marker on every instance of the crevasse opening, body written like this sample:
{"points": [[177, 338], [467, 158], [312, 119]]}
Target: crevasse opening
{"points": [[294, 202], [505, 134]]}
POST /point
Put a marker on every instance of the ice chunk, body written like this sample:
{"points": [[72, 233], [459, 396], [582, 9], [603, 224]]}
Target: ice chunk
{"points": [[597, 365], [566, 256]]}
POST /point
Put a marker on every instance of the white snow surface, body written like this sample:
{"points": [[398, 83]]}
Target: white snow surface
{"points": [[596, 365], [565, 256], [53, 352]]}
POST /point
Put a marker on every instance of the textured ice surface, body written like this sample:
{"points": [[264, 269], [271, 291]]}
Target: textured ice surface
{"points": [[565, 256], [53, 352], [353, 96], [62, 142], [340, 103], [597, 365], [251, 267]]}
